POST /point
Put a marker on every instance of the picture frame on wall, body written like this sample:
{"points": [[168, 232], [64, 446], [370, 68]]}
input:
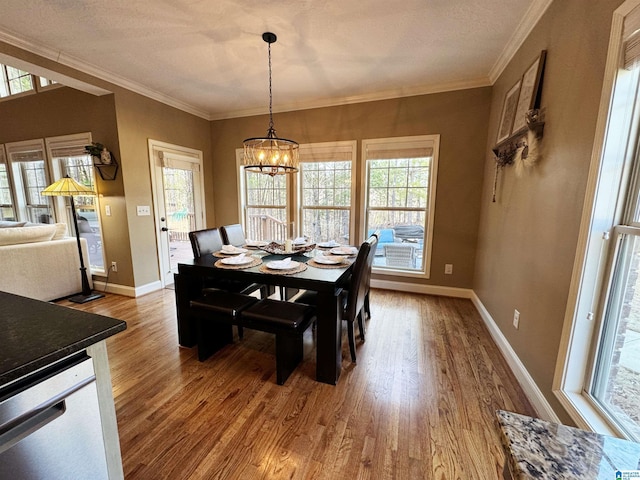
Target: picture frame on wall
{"points": [[508, 112], [529, 92]]}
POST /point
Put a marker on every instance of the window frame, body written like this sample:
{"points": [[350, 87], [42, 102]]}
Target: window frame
{"points": [[61, 204], [425, 272], [4, 161], [610, 184]]}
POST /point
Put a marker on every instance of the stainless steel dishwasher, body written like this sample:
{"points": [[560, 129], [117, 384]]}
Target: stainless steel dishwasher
{"points": [[50, 424]]}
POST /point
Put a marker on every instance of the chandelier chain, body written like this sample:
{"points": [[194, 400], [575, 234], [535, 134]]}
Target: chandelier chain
{"points": [[270, 94]]}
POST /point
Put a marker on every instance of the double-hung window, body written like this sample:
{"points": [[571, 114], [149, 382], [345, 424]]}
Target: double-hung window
{"points": [[598, 372], [317, 202], [30, 176], [68, 157], [326, 190], [400, 179], [7, 211]]}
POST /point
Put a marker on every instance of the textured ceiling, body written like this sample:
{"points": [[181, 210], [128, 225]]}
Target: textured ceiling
{"points": [[208, 56]]}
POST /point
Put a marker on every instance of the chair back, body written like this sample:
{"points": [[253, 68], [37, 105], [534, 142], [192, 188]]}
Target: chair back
{"points": [[400, 255], [373, 244], [205, 241], [357, 284], [233, 235]]}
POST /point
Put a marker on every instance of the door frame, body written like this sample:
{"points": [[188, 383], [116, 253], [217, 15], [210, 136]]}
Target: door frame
{"points": [[157, 149]]}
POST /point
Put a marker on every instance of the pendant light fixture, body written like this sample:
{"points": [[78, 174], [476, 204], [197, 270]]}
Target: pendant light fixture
{"points": [[270, 154]]}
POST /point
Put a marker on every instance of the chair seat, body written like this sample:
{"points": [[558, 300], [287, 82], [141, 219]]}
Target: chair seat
{"points": [[275, 316], [224, 303]]}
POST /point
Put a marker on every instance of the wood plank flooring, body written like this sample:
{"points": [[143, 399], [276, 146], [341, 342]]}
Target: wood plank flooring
{"points": [[419, 404]]}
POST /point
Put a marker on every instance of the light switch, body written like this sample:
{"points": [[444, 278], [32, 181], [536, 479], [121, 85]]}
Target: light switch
{"points": [[107, 210]]}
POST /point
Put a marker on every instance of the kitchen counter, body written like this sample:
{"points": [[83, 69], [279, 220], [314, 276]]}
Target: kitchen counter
{"points": [[35, 334], [538, 449]]}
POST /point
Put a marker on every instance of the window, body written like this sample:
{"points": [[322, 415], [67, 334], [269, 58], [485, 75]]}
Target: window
{"points": [[264, 206], [7, 212], [30, 176], [322, 205], [326, 191], [14, 81], [400, 191], [598, 377], [68, 157]]}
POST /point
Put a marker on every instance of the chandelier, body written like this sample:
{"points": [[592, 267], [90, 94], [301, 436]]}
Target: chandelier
{"points": [[270, 154]]}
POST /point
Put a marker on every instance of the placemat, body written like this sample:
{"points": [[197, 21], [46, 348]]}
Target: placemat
{"points": [[256, 261], [313, 263], [300, 268]]}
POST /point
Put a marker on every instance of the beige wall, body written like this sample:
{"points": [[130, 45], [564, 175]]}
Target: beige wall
{"points": [[528, 238], [460, 119], [139, 119]]}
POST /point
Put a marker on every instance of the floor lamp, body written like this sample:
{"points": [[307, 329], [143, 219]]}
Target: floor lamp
{"points": [[68, 187]]}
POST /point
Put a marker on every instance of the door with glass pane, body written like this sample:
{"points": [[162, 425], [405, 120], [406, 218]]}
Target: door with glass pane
{"points": [[7, 210], [178, 204]]}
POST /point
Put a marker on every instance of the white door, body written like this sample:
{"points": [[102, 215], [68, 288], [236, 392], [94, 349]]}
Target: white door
{"points": [[178, 195]]}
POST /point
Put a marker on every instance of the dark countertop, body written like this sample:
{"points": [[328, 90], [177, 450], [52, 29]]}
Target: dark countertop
{"points": [[34, 334], [538, 449]]}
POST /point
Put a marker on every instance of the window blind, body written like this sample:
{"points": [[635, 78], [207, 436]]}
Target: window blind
{"points": [[631, 39], [68, 145]]}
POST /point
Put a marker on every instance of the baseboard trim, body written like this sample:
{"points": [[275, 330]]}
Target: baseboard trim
{"points": [[526, 381], [126, 290], [425, 289]]}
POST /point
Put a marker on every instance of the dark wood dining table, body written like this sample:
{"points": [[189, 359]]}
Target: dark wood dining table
{"points": [[328, 282]]}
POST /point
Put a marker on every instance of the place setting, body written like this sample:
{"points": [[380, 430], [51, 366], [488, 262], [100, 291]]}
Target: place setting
{"points": [[229, 250], [237, 262], [328, 260], [286, 266]]}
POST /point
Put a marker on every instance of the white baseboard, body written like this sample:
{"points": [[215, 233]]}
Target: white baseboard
{"points": [[531, 389], [425, 289], [126, 290]]}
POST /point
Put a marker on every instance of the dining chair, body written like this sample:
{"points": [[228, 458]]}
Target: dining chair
{"points": [[373, 241], [209, 241], [233, 235], [354, 300]]}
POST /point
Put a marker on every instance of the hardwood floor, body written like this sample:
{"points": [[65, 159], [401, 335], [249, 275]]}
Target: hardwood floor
{"points": [[419, 404]]}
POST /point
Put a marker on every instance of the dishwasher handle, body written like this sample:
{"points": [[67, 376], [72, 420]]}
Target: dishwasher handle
{"points": [[22, 426]]}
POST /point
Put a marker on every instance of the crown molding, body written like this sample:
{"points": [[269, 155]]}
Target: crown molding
{"points": [[524, 28], [95, 71], [347, 100]]}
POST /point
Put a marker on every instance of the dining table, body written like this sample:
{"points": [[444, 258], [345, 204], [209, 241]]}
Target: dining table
{"points": [[327, 282]]}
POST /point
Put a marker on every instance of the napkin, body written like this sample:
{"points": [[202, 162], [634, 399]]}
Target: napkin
{"points": [[331, 243], [229, 249], [239, 259], [299, 240]]}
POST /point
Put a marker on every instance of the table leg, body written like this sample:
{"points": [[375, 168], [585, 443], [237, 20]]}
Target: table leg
{"points": [[328, 338], [186, 288]]}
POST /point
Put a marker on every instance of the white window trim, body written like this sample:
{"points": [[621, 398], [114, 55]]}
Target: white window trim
{"points": [[579, 328], [428, 241]]}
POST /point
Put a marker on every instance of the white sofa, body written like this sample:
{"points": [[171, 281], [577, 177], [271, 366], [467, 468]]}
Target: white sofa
{"points": [[38, 261]]}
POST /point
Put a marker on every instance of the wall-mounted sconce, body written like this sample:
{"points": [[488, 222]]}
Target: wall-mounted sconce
{"points": [[103, 160]]}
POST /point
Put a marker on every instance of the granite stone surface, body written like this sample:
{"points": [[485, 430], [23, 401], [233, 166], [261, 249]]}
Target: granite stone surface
{"points": [[538, 449], [34, 334]]}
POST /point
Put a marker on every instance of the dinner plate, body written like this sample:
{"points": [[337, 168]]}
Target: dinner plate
{"points": [[328, 260], [236, 260], [256, 244], [230, 250], [282, 265], [332, 244], [344, 251]]}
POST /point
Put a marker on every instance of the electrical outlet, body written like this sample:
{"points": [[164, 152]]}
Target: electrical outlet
{"points": [[114, 267], [448, 268], [107, 210], [516, 319]]}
